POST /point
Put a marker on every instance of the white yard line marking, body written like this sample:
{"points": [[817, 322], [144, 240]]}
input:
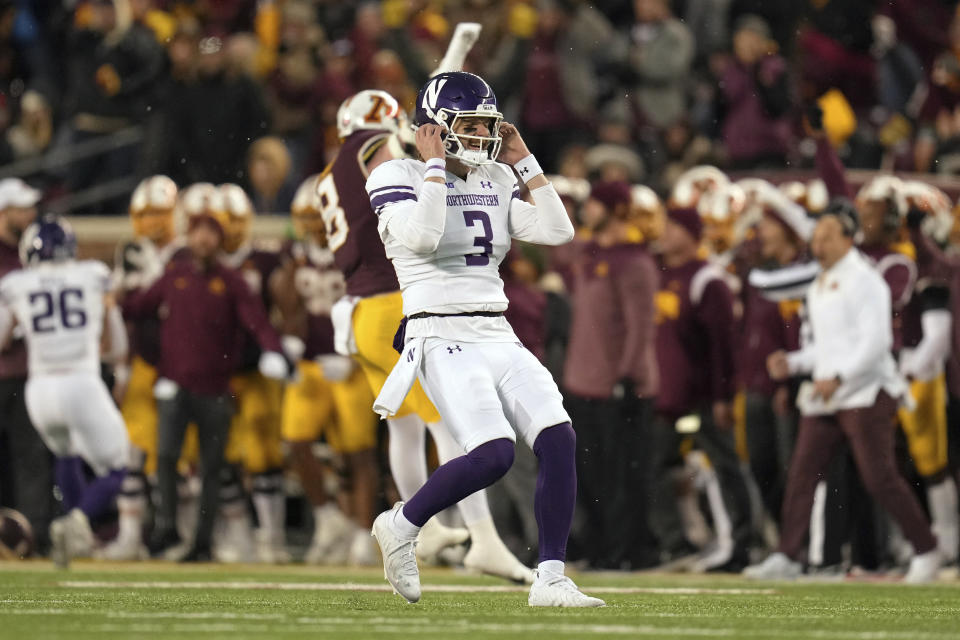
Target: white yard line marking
{"points": [[207, 621], [435, 588]]}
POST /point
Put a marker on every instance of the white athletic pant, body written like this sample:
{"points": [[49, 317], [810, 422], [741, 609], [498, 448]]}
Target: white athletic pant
{"points": [[76, 416], [489, 390]]}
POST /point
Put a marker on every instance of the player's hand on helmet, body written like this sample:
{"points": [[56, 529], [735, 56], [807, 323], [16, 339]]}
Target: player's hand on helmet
{"points": [[430, 141], [513, 149]]}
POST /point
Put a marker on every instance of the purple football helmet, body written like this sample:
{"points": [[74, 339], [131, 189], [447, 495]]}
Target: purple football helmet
{"points": [[445, 98], [49, 239]]}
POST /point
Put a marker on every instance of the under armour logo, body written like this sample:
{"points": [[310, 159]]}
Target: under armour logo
{"points": [[410, 354], [486, 185], [454, 348], [524, 171]]}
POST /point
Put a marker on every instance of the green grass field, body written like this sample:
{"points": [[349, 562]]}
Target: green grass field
{"points": [[157, 600]]}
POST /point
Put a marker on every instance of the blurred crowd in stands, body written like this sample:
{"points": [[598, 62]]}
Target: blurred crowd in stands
{"points": [[662, 85]]}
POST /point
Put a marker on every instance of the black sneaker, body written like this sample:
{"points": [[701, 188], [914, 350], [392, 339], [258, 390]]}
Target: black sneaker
{"points": [[163, 540], [198, 554]]}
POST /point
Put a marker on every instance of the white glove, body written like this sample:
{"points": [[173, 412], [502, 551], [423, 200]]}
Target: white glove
{"points": [[335, 368], [273, 365], [165, 389], [293, 347]]}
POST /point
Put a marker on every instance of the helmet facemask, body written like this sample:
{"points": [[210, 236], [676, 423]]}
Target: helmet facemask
{"points": [[461, 146]]}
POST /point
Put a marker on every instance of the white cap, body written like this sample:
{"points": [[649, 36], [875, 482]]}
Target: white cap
{"points": [[14, 192]]}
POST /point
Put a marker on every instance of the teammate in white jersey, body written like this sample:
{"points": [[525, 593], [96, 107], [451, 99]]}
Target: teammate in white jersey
{"points": [[63, 307], [446, 224]]}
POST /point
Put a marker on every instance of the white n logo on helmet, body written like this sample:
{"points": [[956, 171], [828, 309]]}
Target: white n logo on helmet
{"points": [[430, 96]]}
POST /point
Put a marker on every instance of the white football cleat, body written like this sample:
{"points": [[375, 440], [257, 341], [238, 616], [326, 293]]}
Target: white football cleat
{"points": [[399, 556], [492, 557], [332, 536], [123, 551], [553, 590], [924, 567], [70, 537], [777, 566], [435, 536], [270, 550], [363, 550]]}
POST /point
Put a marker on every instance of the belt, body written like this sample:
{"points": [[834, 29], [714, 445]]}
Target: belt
{"points": [[466, 314]]}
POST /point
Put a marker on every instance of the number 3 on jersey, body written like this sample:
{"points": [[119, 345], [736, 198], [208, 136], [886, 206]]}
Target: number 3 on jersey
{"points": [[334, 217], [484, 241]]}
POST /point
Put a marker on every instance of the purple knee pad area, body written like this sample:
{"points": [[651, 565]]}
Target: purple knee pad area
{"points": [[458, 478]]}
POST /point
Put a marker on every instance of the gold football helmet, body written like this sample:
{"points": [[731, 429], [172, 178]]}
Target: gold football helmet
{"points": [[239, 216], [306, 212], [152, 208]]}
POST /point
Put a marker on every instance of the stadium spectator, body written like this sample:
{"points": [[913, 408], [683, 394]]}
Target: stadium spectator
{"points": [[661, 53], [205, 305], [695, 322], [610, 377], [113, 64], [852, 399], [560, 87], [211, 121], [756, 99], [26, 470]]}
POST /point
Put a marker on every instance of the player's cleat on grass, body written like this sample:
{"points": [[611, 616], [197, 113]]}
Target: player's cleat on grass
{"points": [[554, 590], [162, 541], [363, 550], [924, 567], [777, 566], [493, 558], [270, 550], [399, 555], [70, 537], [332, 536], [123, 551], [435, 536], [198, 554]]}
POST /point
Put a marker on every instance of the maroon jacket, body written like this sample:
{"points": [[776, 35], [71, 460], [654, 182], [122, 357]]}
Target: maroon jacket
{"points": [[767, 327], [201, 316], [695, 335], [612, 329], [900, 274], [13, 360]]}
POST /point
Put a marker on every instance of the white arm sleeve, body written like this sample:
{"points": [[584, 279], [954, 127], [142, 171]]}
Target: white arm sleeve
{"points": [[544, 222], [933, 349], [117, 342], [416, 220], [417, 225]]}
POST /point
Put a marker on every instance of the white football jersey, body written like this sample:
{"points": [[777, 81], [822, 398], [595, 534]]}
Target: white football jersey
{"points": [[60, 309], [463, 274]]}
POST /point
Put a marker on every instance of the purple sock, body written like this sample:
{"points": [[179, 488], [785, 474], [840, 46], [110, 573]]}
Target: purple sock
{"points": [[556, 449], [101, 492], [70, 480], [458, 478]]}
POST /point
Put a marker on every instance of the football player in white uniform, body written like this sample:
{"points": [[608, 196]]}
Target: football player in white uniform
{"points": [[63, 307], [446, 223]]}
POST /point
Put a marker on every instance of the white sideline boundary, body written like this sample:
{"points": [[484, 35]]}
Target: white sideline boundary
{"points": [[434, 588]]}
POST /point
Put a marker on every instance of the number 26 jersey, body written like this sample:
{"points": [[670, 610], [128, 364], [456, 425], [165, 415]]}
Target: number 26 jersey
{"points": [[59, 307], [462, 275]]}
